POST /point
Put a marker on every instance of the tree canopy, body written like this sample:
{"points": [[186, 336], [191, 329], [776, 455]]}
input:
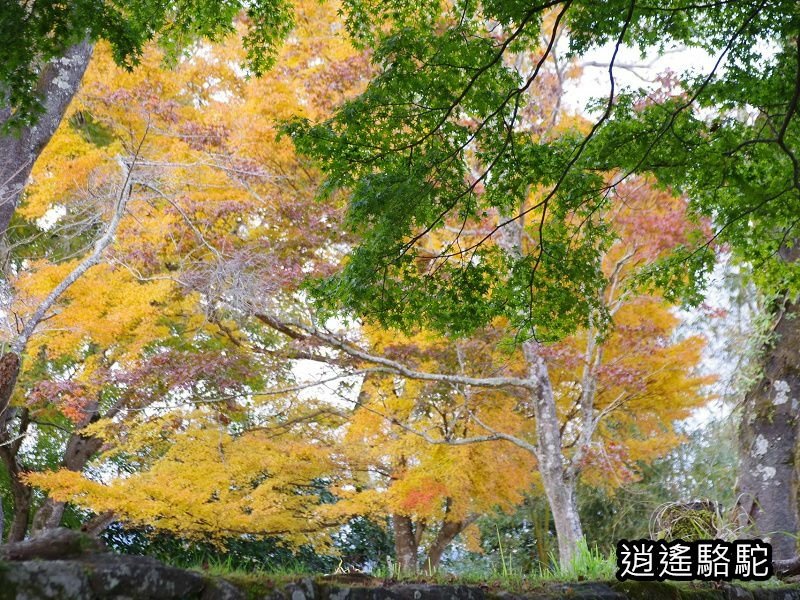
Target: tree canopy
{"points": [[443, 134], [395, 276]]}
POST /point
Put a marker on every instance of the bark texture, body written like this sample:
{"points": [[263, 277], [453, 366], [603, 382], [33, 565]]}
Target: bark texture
{"points": [[58, 82], [21, 494], [444, 537], [768, 470], [79, 450], [558, 481], [54, 544], [405, 543]]}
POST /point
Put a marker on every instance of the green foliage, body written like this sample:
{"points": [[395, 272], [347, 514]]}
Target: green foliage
{"points": [[416, 156], [239, 553], [91, 129], [702, 467], [361, 544], [439, 139], [32, 33]]}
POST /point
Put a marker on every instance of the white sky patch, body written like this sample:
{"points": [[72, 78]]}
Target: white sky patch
{"points": [[631, 71], [722, 355], [222, 96], [51, 217], [327, 383]]}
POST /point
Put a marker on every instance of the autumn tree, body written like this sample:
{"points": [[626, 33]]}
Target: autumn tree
{"points": [[241, 238], [216, 230], [433, 492], [467, 205], [46, 47]]}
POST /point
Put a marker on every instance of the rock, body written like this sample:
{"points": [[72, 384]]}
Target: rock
{"points": [[108, 576], [40, 580], [584, 591], [219, 589], [139, 577]]}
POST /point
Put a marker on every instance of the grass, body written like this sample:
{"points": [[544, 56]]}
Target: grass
{"points": [[280, 572], [588, 564]]}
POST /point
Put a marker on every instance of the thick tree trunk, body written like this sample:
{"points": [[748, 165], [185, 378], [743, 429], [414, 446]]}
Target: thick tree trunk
{"points": [[405, 543], [58, 82], [559, 486], [768, 469]]}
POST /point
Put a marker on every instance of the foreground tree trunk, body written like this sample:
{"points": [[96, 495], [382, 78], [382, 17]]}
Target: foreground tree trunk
{"points": [[558, 482], [53, 545], [21, 494], [58, 82], [79, 450], [768, 470]]}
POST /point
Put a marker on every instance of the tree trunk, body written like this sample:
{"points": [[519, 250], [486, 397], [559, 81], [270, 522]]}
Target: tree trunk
{"points": [[10, 443], [541, 529], [768, 470], [79, 450], [21, 495], [559, 486], [405, 543], [9, 371], [58, 82], [53, 545], [446, 534]]}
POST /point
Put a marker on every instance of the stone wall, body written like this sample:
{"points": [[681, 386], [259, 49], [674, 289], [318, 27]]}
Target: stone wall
{"points": [[109, 576]]}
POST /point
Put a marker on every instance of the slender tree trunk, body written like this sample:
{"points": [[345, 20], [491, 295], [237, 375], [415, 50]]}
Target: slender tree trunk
{"points": [[444, 537], [79, 450], [558, 481], [21, 494], [405, 543], [9, 371], [768, 469], [559, 485], [58, 82], [541, 529], [10, 443]]}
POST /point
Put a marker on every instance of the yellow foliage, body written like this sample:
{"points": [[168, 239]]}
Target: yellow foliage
{"points": [[211, 484], [209, 179]]}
